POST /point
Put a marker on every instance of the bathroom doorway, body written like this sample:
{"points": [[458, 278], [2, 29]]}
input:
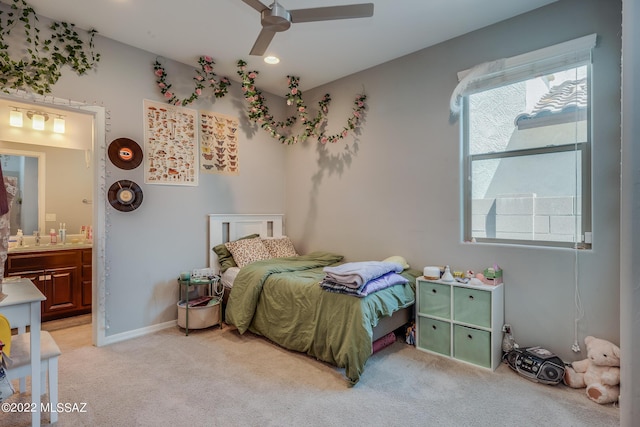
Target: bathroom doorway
{"points": [[85, 125]]}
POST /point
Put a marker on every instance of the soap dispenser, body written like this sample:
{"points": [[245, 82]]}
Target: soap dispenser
{"points": [[20, 238]]}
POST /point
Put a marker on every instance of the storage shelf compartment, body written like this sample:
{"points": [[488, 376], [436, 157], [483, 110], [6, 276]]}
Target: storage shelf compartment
{"points": [[460, 321]]}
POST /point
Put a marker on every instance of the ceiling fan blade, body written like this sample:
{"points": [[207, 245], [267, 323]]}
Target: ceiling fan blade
{"points": [[256, 5], [349, 11], [262, 42]]}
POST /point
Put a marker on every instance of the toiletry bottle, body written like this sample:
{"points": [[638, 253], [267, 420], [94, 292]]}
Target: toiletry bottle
{"points": [[37, 237], [53, 236], [63, 233], [20, 238]]}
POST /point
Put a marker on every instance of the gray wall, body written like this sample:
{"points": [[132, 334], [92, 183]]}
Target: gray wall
{"points": [[630, 216], [146, 249], [395, 189]]}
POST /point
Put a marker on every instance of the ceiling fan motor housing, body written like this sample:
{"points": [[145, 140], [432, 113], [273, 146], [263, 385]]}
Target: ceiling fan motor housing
{"points": [[276, 19]]}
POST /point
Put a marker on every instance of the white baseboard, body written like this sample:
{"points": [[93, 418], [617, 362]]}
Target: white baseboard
{"points": [[112, 339]]}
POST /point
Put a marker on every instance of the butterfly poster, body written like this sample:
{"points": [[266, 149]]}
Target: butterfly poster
{"points": [[170, 144], [218, 143]]}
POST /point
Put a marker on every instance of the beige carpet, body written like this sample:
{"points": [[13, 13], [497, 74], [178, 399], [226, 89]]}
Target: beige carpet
{"points": [[219, 378]]}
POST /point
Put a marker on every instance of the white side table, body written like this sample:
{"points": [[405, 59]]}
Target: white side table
{"points": [[22, 307]]}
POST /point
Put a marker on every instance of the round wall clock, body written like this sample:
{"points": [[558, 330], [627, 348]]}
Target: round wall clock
{"points": [[125, 195]]}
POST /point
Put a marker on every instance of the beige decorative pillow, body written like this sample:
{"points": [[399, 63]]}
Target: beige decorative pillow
{"points": [[279, 247], [247, 251], [225, 259], [398, 260]]}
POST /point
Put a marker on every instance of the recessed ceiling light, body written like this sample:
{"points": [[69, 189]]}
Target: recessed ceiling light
{"points": [[271, 59]]}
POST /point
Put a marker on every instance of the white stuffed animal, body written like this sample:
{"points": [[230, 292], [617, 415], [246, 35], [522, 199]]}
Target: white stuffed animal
{"points": [[599, 372]]}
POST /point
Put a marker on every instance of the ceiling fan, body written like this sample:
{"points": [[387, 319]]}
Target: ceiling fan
{"points": [[276, 18]]}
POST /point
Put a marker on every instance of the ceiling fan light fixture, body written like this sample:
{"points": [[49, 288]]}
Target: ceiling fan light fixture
{"points": [[276, 18], [272, 60]]}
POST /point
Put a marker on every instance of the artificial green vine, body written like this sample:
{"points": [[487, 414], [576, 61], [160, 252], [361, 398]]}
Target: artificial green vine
{"points": [[205, 76], [258, 111], [40, 69]]}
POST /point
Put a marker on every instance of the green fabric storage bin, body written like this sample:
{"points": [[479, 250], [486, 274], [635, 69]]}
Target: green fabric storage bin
{"points": [[434, 335], [472, 345], [472, 306], [435, 299]]}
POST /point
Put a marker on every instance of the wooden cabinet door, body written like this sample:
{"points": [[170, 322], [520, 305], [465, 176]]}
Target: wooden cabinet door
{"points": [[87, 277], [61, 289], [86, 293]]}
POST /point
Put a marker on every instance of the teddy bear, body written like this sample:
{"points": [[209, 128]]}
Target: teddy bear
{"points": [[599, 372]]}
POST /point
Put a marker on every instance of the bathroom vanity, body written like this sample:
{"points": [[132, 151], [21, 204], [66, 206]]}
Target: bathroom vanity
{"points": [[63, 274]]}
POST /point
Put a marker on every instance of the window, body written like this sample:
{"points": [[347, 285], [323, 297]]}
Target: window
{"points": [[526, 145]]}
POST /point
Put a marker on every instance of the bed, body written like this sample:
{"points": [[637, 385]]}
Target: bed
{"points": [[280, 298]]}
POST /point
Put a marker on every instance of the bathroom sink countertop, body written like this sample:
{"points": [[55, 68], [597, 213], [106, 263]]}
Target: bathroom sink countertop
{"points": [[49, 247]]}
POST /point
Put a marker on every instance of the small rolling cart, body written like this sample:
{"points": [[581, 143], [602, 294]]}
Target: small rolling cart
{"points": [[200, 299]]}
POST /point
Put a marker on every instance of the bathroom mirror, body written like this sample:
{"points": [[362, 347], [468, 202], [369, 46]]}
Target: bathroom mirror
{"points": [[28, 207]]}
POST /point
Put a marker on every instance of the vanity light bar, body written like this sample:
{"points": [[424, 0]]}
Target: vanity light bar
{"points": [[38, 119]]}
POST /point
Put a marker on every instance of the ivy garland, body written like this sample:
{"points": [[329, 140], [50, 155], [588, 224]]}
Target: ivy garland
{"points": [[259, 112], [36, 72], [204, 76]]}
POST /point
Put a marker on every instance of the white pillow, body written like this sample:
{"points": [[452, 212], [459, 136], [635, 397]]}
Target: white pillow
{"points": [[229, 276]]}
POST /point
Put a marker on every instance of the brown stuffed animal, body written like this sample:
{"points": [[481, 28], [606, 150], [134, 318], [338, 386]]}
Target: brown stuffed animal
{"points": [[599, 372]]}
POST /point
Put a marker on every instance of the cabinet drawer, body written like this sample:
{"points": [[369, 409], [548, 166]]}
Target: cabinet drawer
{"points": [[472, 345], [472, 306], [434, 335], [40, 260], [434, 299]]}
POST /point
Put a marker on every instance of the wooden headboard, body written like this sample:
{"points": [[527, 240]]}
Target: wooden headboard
{"points": [[227, 227]]}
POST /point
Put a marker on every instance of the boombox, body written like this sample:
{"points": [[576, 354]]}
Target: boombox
{"points": [[536, 364]]}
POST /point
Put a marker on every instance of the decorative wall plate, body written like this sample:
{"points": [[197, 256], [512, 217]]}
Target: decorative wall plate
{"points": [[125, 195], [125, 153]]}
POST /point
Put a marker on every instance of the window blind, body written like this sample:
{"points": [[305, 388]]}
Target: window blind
{"points": [[505, 71]]}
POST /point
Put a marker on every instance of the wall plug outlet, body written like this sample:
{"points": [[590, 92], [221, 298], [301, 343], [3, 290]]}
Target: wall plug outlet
{"points": [[575, 347]]}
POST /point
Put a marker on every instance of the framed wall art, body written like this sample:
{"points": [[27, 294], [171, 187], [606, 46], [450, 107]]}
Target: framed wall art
{"points": [[218, 143], [170, 144]]}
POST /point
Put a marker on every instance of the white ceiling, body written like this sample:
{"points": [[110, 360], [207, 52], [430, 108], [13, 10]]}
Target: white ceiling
{"points": [[317, 52]]}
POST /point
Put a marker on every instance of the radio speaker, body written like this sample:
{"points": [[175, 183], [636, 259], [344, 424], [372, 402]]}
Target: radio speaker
{"points": [[536, 364], [551, 372]]}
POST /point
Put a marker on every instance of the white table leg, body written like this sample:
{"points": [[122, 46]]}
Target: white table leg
{"points": [[35, 362], [23, 381]]}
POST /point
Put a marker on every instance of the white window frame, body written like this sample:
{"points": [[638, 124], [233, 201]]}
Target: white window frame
{"points": [[504, 72]]}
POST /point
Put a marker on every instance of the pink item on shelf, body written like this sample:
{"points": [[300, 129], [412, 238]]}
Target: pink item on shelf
{"points": [[383, 342]]}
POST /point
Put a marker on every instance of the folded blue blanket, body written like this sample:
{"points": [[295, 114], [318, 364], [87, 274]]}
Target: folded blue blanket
{"points": [[356, 274], [383, 282]]}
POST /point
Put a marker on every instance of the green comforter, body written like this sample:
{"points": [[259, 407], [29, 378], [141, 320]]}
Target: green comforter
{"points": [[281, 299]]}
